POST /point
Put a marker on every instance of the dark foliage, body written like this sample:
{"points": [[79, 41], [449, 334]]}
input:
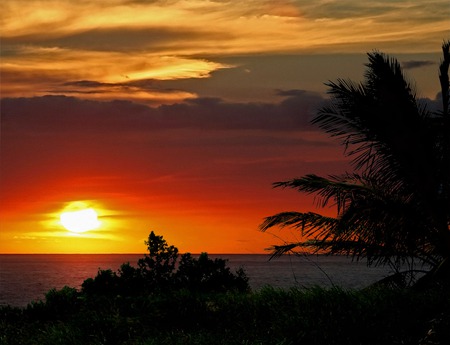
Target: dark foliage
{"points": [[269, 316], [395, 208], [160, 272], [202, 302]]}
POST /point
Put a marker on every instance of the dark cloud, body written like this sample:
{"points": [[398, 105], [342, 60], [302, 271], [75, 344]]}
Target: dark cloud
{"points": [[61, 113], [146, 2], [56, 114], [87, 83], [117, 39], [290, 93], [24, 78], [93, 86], [383, 11], [58, 138], [348, 9], [411, 64]]}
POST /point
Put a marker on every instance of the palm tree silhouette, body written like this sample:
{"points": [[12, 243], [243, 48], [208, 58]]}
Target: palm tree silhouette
{"points": [[395, 208]]}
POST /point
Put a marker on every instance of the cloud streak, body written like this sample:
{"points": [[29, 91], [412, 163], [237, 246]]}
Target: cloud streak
{"points": [[411, 64], [134, 40]]}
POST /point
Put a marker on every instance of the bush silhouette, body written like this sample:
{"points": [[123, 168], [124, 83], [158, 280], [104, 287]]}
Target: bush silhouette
{"points": [[207, 275], [160, 271], [58, 304]]}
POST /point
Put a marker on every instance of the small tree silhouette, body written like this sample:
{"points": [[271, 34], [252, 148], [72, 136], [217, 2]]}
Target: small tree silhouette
{"points": [[157, 268], [160, 272]]}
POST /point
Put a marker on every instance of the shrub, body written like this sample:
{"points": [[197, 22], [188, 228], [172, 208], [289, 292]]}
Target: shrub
{"points": [[58, 304], [206, 275], [157, 272]]}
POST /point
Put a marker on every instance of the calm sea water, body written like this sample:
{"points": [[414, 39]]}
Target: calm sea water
{"points": [[24, 278]]}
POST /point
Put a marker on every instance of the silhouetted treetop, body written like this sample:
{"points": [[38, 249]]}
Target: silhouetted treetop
{"points": [[395, 207]]}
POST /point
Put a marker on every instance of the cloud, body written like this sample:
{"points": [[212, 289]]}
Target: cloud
{"points": [[347, 9], [88, 84], [80, 118], [62, 114], [148, 91], [120, 39], [378, 11], [290, 93], [54, 133], [220, 28], [50, 43], [110, 75], [411, 64]]}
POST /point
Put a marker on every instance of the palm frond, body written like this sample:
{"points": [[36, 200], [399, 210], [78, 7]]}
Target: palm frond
{"points": [[309, 224], [382, 127], [444, 143], [369, 216], [396, 206], [279, 250], [444, 78], [340, 189]]}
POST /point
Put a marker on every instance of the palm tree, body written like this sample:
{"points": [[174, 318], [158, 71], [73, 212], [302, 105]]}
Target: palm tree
{"points": [[395, 207]]}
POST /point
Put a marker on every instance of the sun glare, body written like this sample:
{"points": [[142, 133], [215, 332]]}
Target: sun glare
{"points": [[80, 220]]}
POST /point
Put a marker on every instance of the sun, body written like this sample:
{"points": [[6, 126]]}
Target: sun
{"points": [[81, 220]]}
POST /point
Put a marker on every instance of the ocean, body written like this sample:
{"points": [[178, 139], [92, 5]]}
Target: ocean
{"points": [[27, 277]]}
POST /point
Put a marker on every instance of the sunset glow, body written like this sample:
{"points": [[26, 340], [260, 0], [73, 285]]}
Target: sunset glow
{"points": [[80, 221], [177, 116]]}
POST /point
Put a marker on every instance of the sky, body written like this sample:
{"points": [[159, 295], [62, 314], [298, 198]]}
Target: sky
{"points": [[176, 116]]}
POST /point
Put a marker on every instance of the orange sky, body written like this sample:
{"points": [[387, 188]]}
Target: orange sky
{"points": [[176, 116]]}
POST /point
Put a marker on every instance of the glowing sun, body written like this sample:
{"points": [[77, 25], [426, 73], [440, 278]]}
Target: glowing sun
{"points": [[80, 220]]}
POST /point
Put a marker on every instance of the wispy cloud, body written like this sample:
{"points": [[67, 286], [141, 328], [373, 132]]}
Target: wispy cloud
{"points": [[411, 64], [46, 44]]}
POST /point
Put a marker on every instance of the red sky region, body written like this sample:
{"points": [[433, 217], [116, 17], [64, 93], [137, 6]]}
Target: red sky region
{"points": [[203, 184]]}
